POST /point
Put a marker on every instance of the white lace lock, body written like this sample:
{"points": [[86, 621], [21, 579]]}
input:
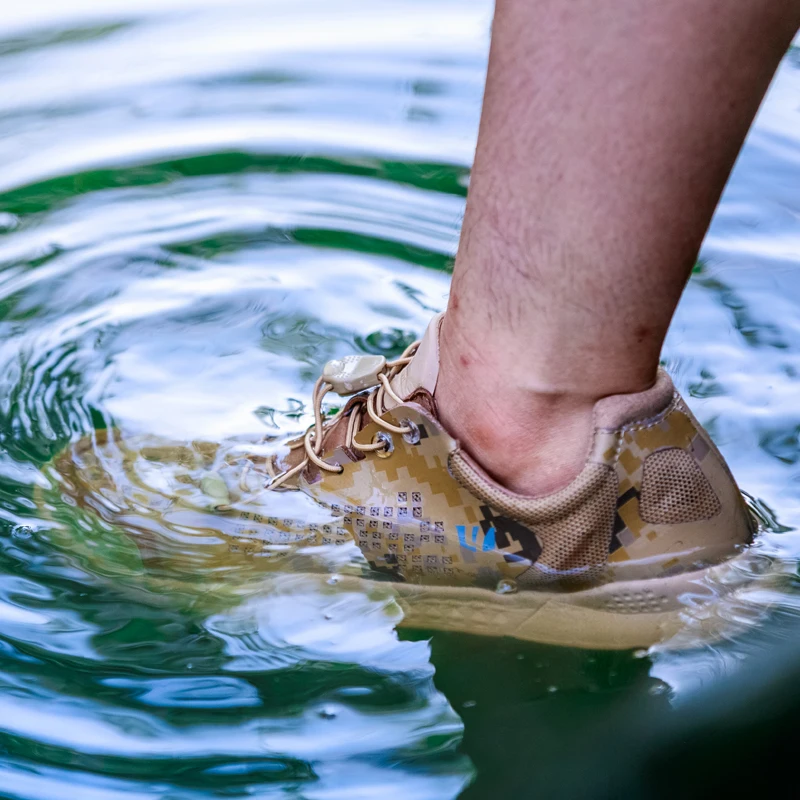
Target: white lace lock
{"points": [[353, 374]]}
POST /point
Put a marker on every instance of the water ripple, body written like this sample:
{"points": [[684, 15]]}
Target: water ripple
{"points": [[200, 204]]}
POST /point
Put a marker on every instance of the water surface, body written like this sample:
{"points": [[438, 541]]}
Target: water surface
{"points": [[200, 204]]}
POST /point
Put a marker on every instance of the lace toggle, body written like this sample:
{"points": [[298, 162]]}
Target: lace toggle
{"points": [[353, 374], [345, 376]]}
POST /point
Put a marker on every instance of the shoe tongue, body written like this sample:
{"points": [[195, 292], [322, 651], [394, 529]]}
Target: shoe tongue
{"points": [[423, 371]]}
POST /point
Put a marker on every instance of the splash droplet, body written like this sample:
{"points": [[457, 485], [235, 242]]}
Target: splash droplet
{"points": [[22, 532], [506, 586]]}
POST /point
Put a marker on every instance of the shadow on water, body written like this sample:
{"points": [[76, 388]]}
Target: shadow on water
{"points": [[593, 739], [199, 206]]}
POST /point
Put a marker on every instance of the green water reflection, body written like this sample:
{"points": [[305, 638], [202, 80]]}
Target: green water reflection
{"points": [[200, 204]]}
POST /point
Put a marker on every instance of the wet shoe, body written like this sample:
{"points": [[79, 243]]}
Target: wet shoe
{"points": [[653, 515], [653, 520]]}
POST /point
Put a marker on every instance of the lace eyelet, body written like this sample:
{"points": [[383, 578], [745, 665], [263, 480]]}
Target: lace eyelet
{"points": [[388, 444], [413, 435]]}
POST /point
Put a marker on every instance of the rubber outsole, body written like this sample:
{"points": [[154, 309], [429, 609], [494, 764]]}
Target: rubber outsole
{"points": [[615, 616]]}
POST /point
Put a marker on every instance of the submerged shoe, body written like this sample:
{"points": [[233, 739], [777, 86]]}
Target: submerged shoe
{"points": [[653, 519], [603, 562]]}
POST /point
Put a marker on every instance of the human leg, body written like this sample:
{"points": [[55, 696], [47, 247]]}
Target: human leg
{"points": [[608, 133]]}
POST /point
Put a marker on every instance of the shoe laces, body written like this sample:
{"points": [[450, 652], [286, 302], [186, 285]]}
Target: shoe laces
{"points": [[377, 379]]}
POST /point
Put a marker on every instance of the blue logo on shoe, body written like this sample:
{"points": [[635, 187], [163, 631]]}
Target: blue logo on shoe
{"points": [[472, 546]]}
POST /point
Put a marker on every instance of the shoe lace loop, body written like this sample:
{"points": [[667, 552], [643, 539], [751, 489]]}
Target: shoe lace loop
{"points": [[372, 402]]}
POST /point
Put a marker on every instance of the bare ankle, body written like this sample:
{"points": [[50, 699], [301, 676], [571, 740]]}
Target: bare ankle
{"points": [[533, 442], [534, 449]]}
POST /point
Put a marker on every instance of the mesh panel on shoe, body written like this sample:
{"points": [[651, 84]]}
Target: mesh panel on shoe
{"points": [[573, 525], [580, 539], [674, 489]]}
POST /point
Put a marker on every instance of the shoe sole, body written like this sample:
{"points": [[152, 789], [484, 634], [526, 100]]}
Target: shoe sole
{"points": [[615, 616]]}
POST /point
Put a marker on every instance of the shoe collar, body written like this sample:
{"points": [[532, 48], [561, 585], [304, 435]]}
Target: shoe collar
{"points": [[423, 371]]}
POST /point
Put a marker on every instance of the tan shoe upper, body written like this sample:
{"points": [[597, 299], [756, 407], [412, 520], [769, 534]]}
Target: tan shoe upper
{"points": [[654, 497]]}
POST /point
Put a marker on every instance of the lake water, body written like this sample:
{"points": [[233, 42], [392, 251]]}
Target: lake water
{"points": [[200, 204]]}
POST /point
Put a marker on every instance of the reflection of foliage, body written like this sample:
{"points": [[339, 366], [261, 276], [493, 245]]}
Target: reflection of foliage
{"points": [[357, 242], [767, 518], [755, 332], [44, 404], [707, 386], [442, 178], [412, 293], [389, 342], [40, 39], [782, 444], [45, 195]]}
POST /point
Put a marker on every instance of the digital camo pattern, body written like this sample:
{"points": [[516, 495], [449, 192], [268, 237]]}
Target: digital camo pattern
{"points": [[411, 518], [689, 474]]}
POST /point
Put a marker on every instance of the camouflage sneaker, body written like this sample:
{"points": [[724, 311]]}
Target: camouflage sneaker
{"points": [[653, 517], [603, 562]]}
